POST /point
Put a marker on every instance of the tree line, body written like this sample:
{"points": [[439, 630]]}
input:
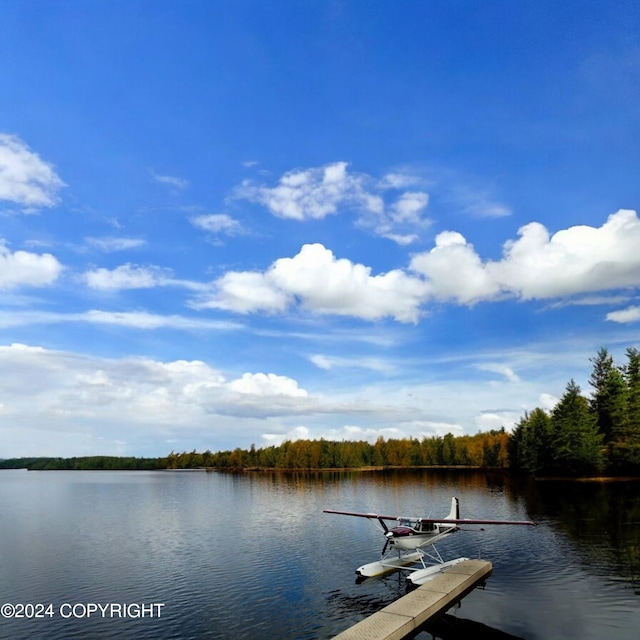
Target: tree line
{"points": [[481, 450], [586, 436], [83, 463]]}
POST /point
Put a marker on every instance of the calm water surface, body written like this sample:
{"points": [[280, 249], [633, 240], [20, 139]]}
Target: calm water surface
{"points": [[253, 556]]}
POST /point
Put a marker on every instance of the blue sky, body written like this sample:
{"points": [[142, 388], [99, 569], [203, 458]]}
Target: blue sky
{"points": [[225, 223]]}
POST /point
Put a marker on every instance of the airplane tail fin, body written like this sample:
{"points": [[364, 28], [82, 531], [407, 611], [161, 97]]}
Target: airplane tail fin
{"points": [[454, 514]]}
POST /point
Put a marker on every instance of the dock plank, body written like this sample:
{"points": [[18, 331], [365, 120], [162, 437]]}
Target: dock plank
{"points": [[403, 616]]}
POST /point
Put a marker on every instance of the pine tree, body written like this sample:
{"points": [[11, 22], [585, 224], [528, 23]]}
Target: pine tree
{"points": [[514, 446], [539, 440], [531, 444], [616, 394], [601, 399], [632, 380], [576, 440], [625, 449]]}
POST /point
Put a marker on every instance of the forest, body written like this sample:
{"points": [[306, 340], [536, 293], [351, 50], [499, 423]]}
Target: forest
{"points": [[84, 463], [480, 450], [580, 436], [586, 436]]}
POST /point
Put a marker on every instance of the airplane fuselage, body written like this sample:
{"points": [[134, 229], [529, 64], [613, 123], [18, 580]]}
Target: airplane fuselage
{"points": [[408, 538]]}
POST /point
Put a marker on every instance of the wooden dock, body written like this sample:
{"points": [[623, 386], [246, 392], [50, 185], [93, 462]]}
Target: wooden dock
{"points": [[406, 614]]}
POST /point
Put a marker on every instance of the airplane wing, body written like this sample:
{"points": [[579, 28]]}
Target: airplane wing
{"points": [[360, 515], [377, 516], [470, 521]]}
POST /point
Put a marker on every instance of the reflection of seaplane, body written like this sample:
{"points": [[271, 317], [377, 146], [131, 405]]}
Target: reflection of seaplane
{"points": [[406, 542]]}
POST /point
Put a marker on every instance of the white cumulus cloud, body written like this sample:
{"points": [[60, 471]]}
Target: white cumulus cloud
{"points": [[245, 292], [267, 384], [625, 316], [314, 193], [22, 268], [409, 207], [537, 265], [548, 401], [26, 179], [321, 283], [454, 270], [309, 193], [579, 259]]}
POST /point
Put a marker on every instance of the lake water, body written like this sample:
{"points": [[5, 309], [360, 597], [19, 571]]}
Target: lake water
{"points": [[233, 556]]}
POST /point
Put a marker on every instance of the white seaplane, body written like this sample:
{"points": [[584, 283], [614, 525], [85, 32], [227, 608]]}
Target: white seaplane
{"points": [[407, 542]]}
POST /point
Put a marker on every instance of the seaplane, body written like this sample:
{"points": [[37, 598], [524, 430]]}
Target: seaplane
{"points": [[412, 539]]}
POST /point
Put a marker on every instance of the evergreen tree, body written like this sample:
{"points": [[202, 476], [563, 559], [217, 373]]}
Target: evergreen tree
{"points": [[576, 440], [602, 398], [632, 380], [540, 440], [537, 442], [625, 449], [515, 444], [531, 443], [617, 396]]}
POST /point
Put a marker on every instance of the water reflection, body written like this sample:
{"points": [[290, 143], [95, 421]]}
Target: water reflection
{"points": [[251, 555], [448, 627], [600, 519]]}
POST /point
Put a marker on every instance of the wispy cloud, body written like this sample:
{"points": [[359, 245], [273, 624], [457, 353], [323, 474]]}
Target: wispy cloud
{"points": [[132, 276], [480, 203], [334, 362], [591, 301], [112, 243], [501, 369], [217, 223], [144, 320], [127, 276], [131, 319], [468, 194], [172, 181], [399, 180]]}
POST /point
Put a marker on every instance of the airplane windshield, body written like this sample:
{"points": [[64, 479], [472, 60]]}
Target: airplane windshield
{"points": [[408, 522]]}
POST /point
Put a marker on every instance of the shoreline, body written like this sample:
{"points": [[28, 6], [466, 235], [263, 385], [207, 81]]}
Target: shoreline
{"points": [[367, 469]]}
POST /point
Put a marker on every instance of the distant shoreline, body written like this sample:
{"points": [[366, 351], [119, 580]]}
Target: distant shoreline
{"points": [[368, 469], [587, 479]]}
